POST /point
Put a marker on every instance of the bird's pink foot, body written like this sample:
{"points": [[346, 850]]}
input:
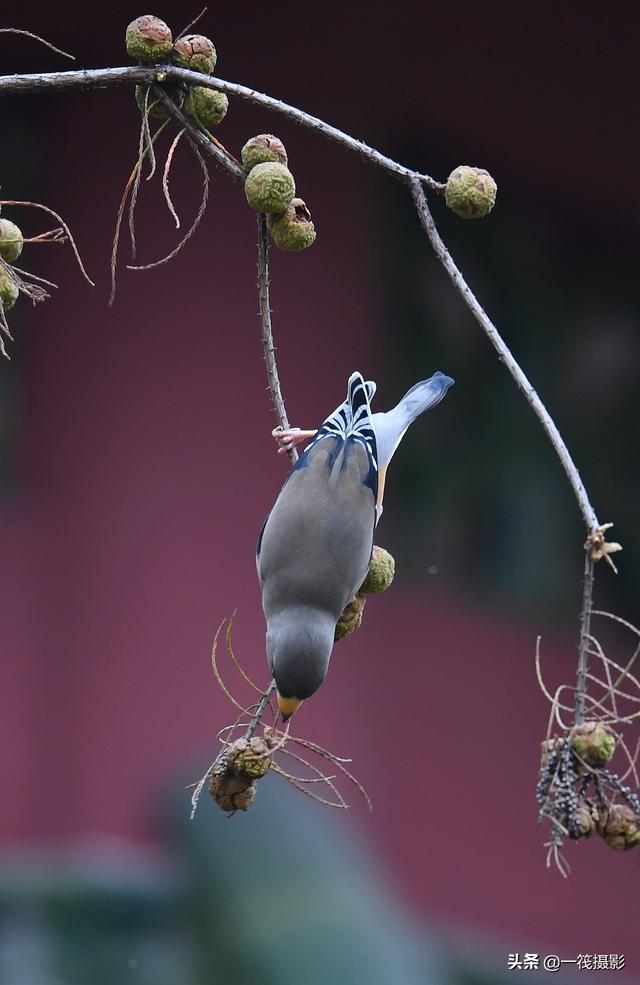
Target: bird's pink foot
{"points": [[286, 440]]}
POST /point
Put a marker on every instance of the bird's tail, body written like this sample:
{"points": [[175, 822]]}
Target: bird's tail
{"points": [[390, 427]]}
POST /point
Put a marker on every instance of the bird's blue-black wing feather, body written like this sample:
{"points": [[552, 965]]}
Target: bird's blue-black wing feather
{"points": [[350, 422]]}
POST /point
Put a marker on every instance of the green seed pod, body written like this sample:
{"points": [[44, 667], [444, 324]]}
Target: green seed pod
{"points": [[196, 53], [265, 147], [593, 742], [8, 290], [269, 187], [381, 571], [206, 106], [157, 110], [292, 230], [351, 618], [10, 241], [149, 40], [619, 828], [249, 757], [470, 192]]}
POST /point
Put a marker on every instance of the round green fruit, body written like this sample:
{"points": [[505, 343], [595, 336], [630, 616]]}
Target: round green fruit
{"points": [[196, 53], [269, 187], [149, 40], [470, 192], [381, 571], [206, 106], [10, 241], [593, 742], [8, 290], [157, 110], [261, 149]]}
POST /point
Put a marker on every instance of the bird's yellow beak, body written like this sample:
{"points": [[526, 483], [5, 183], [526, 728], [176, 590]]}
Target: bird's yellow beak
{"points": [[288, 706]]}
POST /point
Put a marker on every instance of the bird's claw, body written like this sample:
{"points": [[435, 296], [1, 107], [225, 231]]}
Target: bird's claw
{"points": [[288, 439]]}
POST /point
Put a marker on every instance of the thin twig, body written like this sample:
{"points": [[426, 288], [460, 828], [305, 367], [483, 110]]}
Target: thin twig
{"points": [[585, 629], [36, 37], [212, 148], [192, 23], [267, 333], [37, 205], [505, 355]]}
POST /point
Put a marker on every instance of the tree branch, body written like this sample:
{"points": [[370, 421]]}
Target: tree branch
{"points": [[267, 335], [106, 77], [505, 356]]}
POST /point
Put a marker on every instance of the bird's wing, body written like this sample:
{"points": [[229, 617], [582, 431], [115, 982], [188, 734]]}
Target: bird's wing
{"points": [[316, 544]]}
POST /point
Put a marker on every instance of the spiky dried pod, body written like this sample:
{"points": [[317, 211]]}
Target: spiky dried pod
{"points": [[149, 40], [9, 291], [593, 742], [233, 792], [381, 571], [470, 192], [261, 149], [195, 52], [269, 187], [249, 757], [351, 618], [206, 106], [293, 230], [619, 828], [11, 241]]}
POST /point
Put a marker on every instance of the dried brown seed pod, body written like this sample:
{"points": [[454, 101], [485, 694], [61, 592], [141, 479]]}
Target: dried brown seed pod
{"points": [[585, 820], [262, 148], [149, 40], [351, 618], [233, 792], [619, 828], [195, 52], [249, 757], [292, 230]]}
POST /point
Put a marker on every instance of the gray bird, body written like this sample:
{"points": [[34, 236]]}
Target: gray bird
{"points": [[314, 548]]}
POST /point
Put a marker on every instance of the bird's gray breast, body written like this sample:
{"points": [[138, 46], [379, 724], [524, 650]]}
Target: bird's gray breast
{"points": [[316, 544]]}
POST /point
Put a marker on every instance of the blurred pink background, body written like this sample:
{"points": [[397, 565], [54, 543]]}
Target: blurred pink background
{"points": [[143, 464]]}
